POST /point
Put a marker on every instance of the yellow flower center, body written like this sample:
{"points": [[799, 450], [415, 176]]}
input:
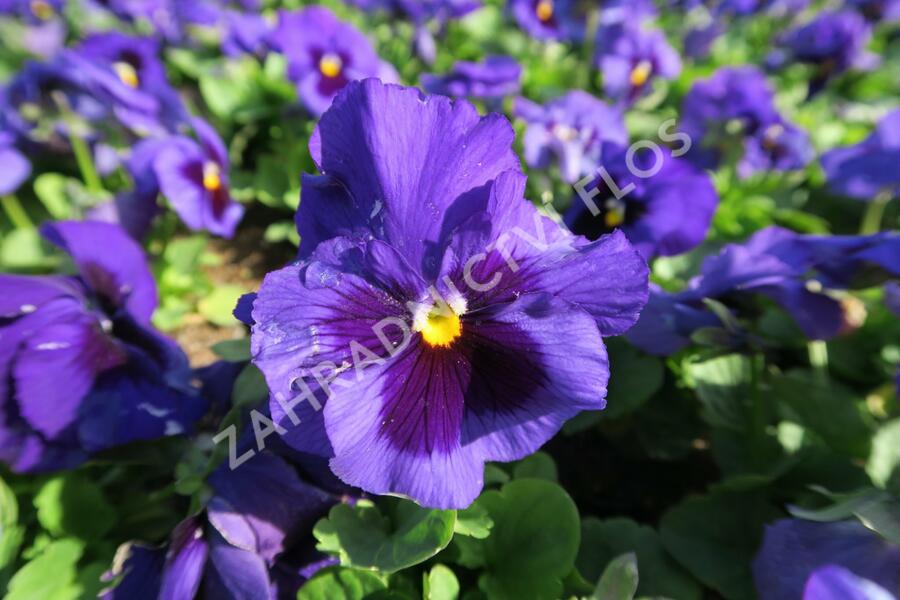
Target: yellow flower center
{"points": [[127, 74], [331, 65], [42, 9], [212, 177], [641, 73], [615, 213], [544, 10], [440, 324]]}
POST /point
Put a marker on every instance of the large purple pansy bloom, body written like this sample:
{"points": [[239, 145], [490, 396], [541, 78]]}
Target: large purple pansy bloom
{"points": [[240, 548], [832, 43], [324, 54], [868, 168], [126, 72], [731, 117], [419, 192], [794, 552], [493, 79], [562, 20], [193, 176], [630, 56], [664, 205], [573, 128], [122, 380]]}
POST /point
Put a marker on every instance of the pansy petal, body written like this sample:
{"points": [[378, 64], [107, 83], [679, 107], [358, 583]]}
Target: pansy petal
{"points": [[16, 169], [837, 583], [185, 562], [110, 261], [140, 569], [233, 573]]}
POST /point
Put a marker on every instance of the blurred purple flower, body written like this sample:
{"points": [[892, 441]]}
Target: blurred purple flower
{"points": [[668, 212], [877, 11], [125, 72], [16, 167], [324, 54], [238, 547], [837, 583], [630, 55], [833, 42], [561, 20], [193, 176], [794, 551], [492, 80], [869, 168], [731, 116], [573, 128], [246, 33], [667, 323], [82, 368], [414, 189]]}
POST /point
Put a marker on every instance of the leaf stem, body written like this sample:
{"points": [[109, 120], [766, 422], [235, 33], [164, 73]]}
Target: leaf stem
{"points": [[16, 212], [871, 221]]}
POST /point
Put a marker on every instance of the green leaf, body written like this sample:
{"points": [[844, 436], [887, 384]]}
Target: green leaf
{"points": [[716, 538], [885, 457], [723, 386], [49, 576], [72, 505], [50, 188], [341, 583], [602, 541], [363, 537], [233, 350], [218, 306], [826, 408], [619, 580], [539, 465], [473, 522], [533, 544], [249, 387], [11, 533], [21, 249], [440, 584]]}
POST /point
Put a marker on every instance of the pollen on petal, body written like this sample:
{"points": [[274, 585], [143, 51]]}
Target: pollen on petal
{"points": [[641, 73], [127, 74], [544, 10], [331, 65], [212, 177]]}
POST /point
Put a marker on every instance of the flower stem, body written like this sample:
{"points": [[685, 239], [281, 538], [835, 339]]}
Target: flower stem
{"points": [[871, 221], [16, 213], [818, 357], [758, 413], [86, 164]]}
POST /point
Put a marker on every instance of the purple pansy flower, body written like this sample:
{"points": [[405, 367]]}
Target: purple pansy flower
{"points": [[630, 55], [867, 169], [795, 551], [324, 54], [45, 30], [561, 20], [492, 80], [732, 117], [667, 323], [573, 128], [125, 71], [239, 547], [246, 33], [664, 205], [876, 11], [405, 245], [122, 380], [16, 167], [193, 176], [168, 18], [833, 42]]}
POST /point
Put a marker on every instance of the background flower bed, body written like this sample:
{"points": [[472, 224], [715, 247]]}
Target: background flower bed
{"points": [[744, 421]]}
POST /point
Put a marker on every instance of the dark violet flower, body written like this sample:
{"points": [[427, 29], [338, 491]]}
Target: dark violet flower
{"points": [[246, 33], [125, 72], [869, 168], [244, 545], [324, 54], [170, 19], [82, 368], [667, 323], [572, 128], [493, 79], [561, 20], [630, 56], [876, 11], [44, 101], [405, 245], [44, 33], [832, 43], [699, 40], [663, 205], [731, 117], [803, 274], [193, 176], [16, 167], [795, 552]]}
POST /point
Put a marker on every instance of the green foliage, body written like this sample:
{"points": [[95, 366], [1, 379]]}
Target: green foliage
{"points": [[619, 580], [342, 583], [72, 505], [364, 537]]}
